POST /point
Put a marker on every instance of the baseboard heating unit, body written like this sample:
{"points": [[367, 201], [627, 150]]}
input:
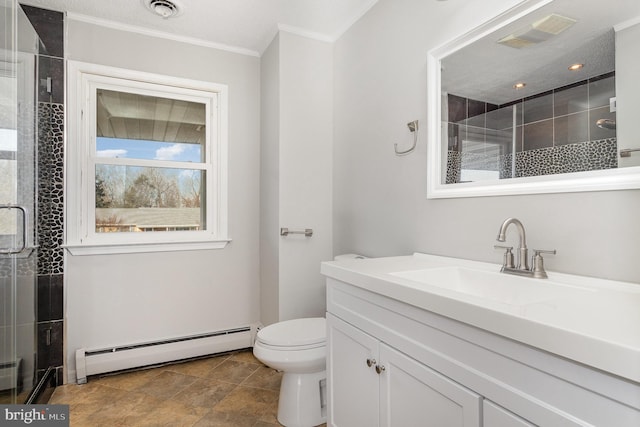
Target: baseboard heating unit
{"points": [[100, 361], [9, 375]]}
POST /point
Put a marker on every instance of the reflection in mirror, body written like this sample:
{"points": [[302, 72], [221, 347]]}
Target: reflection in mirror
{"points": [[546, 90]]}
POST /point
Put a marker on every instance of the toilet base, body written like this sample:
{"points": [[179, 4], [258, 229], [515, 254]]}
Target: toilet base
{"points": [[302, 399]]}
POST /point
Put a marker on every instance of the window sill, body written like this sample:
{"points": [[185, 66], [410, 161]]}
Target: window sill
{"points": [[80, 249]]}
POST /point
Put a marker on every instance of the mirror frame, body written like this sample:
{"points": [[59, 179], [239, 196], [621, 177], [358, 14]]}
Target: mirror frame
{"points": [[599, 180]]}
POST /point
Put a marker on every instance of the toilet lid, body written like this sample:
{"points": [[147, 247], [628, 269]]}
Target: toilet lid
{"points": [[296, 332]]}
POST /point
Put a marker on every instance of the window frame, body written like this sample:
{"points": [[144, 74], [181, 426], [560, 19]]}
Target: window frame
{"points": [[84, 81]]}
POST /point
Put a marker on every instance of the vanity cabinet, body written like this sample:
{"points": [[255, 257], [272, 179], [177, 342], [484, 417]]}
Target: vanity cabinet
{"points": [[493, 415], [375, 385], [431, 370]]}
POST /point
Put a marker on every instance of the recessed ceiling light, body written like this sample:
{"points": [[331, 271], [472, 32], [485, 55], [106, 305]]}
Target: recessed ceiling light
{"points": [[519, 85], [164, 8], [575, 67]]}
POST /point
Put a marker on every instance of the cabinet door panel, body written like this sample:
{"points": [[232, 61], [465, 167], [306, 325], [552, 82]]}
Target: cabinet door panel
{"points": [[352, 385], [495, 416], [414, 395]]}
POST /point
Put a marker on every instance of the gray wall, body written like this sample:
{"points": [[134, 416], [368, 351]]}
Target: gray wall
{"points": [[380, 205], [269, 183], [130, 298], [296, 175]]}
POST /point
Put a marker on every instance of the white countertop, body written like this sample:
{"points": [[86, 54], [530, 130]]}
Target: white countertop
{"points": [[599, 326]]}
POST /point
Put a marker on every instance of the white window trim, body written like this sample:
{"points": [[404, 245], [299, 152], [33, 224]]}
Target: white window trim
{"points": [[80, 238]]}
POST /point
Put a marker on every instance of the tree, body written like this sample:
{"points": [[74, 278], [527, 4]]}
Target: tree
{"points": [[101, 193], [152, 188], [110, 184], [191, 189]]}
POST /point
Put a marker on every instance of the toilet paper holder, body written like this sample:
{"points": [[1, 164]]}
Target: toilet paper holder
{"points": [[308, 232]]}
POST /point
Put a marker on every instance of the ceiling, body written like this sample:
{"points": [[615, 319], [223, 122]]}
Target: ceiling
{"points": [[245, 26], [486, 70]]}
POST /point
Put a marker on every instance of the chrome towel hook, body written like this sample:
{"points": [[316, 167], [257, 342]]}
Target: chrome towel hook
{"points": [[413, 128]]}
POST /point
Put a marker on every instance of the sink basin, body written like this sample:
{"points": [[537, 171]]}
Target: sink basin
{"points": [[494, 286]]}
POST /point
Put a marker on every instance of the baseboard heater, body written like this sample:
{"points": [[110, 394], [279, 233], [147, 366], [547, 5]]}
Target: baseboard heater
{"points": [[92, 362], [9, 375]]}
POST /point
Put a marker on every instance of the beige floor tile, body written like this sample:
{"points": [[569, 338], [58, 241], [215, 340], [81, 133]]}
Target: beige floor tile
{"points": [[128, 380], [92, 393], [222, 419], [246, 357], [270, 415], [249, 401], [234, 390], [204, 393], [232, 371], [169, 413], [264, 377], [166, 385], [197, 368]]}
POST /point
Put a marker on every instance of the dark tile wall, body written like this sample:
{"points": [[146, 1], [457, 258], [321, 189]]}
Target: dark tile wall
{"points": [[50, 324], [545, 122], [464, 115], [565, 115]]}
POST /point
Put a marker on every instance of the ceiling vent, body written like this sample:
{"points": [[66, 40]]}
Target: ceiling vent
{"points": [[538, 32], [164, 8]]}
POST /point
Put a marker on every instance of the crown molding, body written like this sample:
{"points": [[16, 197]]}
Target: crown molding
{"points": [[159, 34]]}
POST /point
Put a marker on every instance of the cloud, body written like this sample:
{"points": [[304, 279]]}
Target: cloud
{"points": [[170, 152], [112, 153], [188, 173]]}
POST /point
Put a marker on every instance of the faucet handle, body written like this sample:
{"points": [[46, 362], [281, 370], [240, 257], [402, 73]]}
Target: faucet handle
{"points": [[508, 256], [537, 252], [538, 263]]}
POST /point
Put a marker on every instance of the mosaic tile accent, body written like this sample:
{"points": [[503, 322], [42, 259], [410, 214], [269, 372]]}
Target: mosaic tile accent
{"points": [[583, 156], [49, 219], [50, 188], [579, 157], [454, 165]]}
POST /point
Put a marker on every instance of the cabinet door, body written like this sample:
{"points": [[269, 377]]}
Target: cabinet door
{"points": [[495, 416], [352, 385], [411, 394]]}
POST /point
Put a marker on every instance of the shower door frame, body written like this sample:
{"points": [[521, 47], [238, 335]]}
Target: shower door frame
{"points": [[18, 253]]}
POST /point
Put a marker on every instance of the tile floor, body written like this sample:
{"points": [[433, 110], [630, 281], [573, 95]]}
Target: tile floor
{"points": [[234, 390]]}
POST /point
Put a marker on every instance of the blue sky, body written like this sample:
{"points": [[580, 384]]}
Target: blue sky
{"points": [[142, 149]]}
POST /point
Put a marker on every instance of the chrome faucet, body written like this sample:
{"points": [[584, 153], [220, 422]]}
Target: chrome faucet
{"points": [[521, 267], [522, 263]]}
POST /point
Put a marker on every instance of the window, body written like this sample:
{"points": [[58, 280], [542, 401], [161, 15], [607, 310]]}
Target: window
{"points": [[146, 162]]}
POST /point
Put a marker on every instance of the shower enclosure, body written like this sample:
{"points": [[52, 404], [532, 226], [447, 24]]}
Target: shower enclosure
{"points": [[19, 46]]}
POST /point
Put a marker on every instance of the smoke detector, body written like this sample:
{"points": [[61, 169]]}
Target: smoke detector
{"points": [[164, 8]]}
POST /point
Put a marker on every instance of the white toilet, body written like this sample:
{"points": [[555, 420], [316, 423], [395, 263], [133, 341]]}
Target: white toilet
{"points": [[297, 348]]}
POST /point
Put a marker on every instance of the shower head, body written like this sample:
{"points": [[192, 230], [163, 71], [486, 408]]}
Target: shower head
{"points": [[606, 124]]}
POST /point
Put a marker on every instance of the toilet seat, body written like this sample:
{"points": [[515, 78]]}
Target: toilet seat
{"points": [[290, 347], [296, 334]]}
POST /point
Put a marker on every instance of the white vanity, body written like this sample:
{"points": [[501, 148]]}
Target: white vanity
{"points": [[434, 341]]}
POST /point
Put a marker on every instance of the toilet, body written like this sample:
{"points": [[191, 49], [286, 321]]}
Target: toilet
{"points": [[297, 348]]}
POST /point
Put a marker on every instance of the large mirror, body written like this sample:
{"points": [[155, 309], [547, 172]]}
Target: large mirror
{"points": [[544, 98]]}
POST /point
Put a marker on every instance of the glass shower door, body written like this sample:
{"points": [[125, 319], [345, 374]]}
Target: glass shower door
{"points": [[18, 45]]}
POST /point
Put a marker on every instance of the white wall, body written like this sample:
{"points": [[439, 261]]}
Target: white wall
{"points": [[628, 91], [380, 205], [306, 136], [297, 131], [270, 183], [121, 299]]}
